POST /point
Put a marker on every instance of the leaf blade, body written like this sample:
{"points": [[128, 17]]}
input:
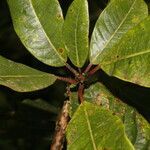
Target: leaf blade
{"points": [[75, 32], [36, 27], [86, 133], [113, 23], [129, 59], [22, 78], [137, 128]]}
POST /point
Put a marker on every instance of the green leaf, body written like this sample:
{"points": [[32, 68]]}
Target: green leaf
{"points": [[41, 104], [95, 128], [75, 32], [129, 59], [118, 17], [74, 103], [22, 78], [39, 24], [136, 127]]}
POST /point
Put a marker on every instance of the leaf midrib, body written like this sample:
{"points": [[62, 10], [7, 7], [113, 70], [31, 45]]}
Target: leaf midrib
{"points": [[127, 57], [116, 30], [30, 1], [22, 76], [76, 45], [90, 129]]}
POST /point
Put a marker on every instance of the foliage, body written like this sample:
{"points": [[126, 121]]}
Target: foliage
{"points": [[119, 45], [134, 124]]}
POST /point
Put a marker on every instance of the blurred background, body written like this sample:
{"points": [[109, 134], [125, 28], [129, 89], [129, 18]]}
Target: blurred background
{"points": [[27, 120]]}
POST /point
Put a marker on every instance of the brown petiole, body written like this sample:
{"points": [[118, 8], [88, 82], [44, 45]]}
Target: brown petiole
{"points": [[68, 80], [93, 70], [72, 70], [80, 78], [88, 68]]}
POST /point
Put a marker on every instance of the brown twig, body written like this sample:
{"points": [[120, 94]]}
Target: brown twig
{"points": [[81, 92], [61, 124], [68, 92]]}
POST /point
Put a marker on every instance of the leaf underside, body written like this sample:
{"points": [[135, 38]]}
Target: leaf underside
{"points": [[39, 24], [22, 78]]}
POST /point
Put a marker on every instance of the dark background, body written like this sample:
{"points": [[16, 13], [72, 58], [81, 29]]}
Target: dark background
{"points": [[23, 127]]}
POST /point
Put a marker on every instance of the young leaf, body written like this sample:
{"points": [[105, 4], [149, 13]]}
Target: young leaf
{"points": [[129, 59], [75, 32], [94, 128], [22, 78], [39, 23], [118, 17]]}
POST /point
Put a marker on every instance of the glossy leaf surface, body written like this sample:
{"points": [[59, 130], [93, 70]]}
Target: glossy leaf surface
{"points": [[39, 23], [117, 18], [94, 128], [129, 59], [22, 78], [75, 32]]}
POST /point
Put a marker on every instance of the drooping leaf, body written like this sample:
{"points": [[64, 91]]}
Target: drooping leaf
{"points": [[39, 23], [41, 104], [118, 17], [136, 127], [94, 128], [22, 78], [75, 32], [129, 59]]}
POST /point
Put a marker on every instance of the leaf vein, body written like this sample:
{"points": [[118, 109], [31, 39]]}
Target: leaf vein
{"points": [[90, 129], [116, 29], [21, 76], [76, 43], [57, 53], [127, 57]]}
